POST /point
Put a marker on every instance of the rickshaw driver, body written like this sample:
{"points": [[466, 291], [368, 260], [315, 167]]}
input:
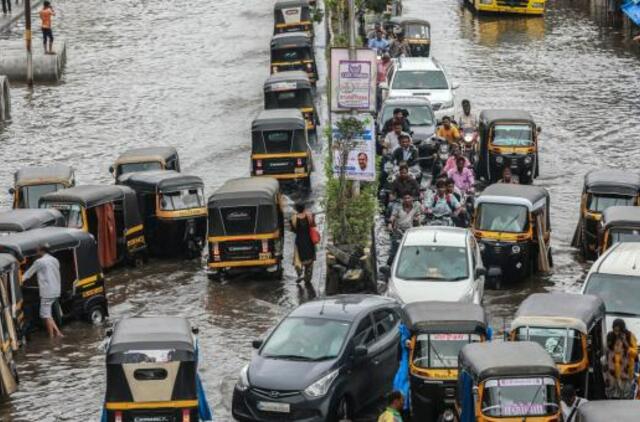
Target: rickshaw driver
{"points": [[505, 223], [448, 131]]}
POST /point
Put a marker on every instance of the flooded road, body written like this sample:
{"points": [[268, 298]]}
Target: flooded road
{"points": [[190, 74]]}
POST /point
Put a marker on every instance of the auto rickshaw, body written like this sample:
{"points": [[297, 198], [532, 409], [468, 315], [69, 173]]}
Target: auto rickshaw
{"points": [[9, 333], [416, 31], [174, 211], [23, 219], [280, 147], [246, 227], [438, 331], [110, 213], [292, 89], [507, 382], [145, 159], [292, 16], [572, 329], [618, 224], [513, 227], [82, 281], [508, 138], [293, 51], [602, 189], [30, 183], [608, 410], [152, 372]]}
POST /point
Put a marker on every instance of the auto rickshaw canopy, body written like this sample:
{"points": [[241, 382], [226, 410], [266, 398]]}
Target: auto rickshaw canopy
{"points": [[404, 22], [560, 310], [160, 181], [506, 359], [7, 262], [54, 173], [609, 410], [297, 39], [290, 4], [612, 182], [279, 120], [621, 216], [532, 197], [489, 117], [152, 333], [23, 219], [161, 154], [287, 81], [445, 317]]}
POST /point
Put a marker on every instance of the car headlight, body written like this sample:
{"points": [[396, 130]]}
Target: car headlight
{"points": [[243, 380], [321, 387], [499, 159], [527, 160]]}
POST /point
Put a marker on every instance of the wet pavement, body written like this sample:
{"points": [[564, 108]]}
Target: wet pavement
{"points": [[190, 74]]}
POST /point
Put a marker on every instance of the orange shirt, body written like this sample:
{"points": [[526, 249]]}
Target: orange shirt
{"points": [[450, 135], [45, 17]]}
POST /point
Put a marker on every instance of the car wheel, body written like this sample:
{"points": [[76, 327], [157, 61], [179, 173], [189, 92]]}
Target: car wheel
{"points": [[96, 314], [343, 412]]}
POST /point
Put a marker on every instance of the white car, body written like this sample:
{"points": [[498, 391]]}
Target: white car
{"points": [[422, 77], [437, 263], [615, 277]]}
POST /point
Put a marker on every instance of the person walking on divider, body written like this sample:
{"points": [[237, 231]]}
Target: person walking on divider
{"points": [[304, 226], [46, 15]]}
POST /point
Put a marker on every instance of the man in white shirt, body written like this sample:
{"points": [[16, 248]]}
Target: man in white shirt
{"points": [[47, 269], [570, 403]]}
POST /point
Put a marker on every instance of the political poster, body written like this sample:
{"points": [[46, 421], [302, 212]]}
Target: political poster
{"points": [[361, 160]]}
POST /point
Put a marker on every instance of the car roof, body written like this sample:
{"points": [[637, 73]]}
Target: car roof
{"points": [[418, 63], [609, 410], [622, 259], [436, 235], [346, 307], [150, 333]]}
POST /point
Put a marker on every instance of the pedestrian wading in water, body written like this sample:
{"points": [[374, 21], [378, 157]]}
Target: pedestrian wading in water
{"points": [[46, 15], [303, 224], [47, 269]]}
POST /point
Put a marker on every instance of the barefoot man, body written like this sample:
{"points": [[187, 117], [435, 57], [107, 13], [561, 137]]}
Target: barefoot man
{"points": [[45, 17], [47, 267]]}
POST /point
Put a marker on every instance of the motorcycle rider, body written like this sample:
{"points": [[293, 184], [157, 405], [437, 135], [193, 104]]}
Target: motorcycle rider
{"points": [[404, 184], [448, 131], [398, 115], [467, 120], [399, 47], [462, 176], [378, 43], [443, 204], [392, 139], [451, 161], [402, 219], [406, 151]]}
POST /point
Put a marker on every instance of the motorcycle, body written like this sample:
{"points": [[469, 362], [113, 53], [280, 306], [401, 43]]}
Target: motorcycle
{"points": [[468, 144]]}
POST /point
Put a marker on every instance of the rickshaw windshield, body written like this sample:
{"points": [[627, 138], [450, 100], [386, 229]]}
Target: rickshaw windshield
{"points": [[30, 195], [433, 263], [134, 167], [624, 235], [419, 115], [535, 396], [299, 98], [512, 135], [290, 54], [72, 213], [182, 199], [563, 345], [599, 203], [503, 218], [440, 350], [416, 31], [620, 293]]}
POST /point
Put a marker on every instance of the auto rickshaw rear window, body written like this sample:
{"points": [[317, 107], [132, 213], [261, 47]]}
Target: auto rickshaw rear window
{"points": [[150, 374], [535, 396], [420, 79], [440, 350], [433, 263], [72, 213], [135, 167], [277, 141], [600, 203], [298, 98], [148, 356], [512, 135], [30, 195], [502, 218], [290, 54], [563, 345], [182, 200], [239, 220]]}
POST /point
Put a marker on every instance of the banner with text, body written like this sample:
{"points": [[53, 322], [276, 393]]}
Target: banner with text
{"points": [[361, 162], [353, 82]]}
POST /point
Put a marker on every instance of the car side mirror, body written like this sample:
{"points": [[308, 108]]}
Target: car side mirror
{"points": [[360, 352], [480, 272], [256, 344], [455, 85], [386, 273], [12, 191]]}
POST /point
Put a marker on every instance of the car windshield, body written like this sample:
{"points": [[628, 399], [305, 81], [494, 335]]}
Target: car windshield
{"points": [[624, 235], [440, 350], [419, 115], [420, 79], [599, 203], [416, 31], [433, 263], [620, 293], [134, 167], [502, 218], [535, 396], [299, 98], [563, 345], [512, 135], [72, 213], [30, 195], [299, 338], [290, 54], [182, 200]]}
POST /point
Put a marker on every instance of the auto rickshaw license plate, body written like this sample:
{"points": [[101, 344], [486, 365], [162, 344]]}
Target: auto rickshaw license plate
{"points": [[265, 255], [268, 406]]}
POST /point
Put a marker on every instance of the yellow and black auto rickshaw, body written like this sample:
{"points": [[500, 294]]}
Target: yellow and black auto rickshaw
{"points": [[293, 51], [507, 382], [174, 211], [23, 219], [246, 227], [608, 410], [292, 89], [280, 148], [110, 213], [292, 16], [519, 7], [508, 138], [572, 329], [620, 223], [416, 31], [11, 323], [438, 331], [602, 189], [82, 282], [513, 228], [146, 159], [30, 183], [152, 372]]}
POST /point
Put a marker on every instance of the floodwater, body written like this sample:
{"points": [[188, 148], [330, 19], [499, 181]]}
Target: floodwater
{"points": [[190, 74]]}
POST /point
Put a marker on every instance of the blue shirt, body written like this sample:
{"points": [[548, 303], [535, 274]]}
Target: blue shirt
{"points": [[378, 44]]}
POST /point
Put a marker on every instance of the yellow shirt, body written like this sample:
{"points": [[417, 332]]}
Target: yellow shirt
{"points": [[451, 135]]}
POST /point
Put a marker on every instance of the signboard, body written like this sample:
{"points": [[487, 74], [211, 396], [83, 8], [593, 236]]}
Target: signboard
{"points": [[353, 82], [361, 162]]}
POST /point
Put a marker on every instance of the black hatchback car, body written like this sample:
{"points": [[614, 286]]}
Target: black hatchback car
{"points": [[325, 361]]}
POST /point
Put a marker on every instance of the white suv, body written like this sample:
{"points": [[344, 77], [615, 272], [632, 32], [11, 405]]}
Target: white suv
{"points": [[423, 77], [437, 263]]}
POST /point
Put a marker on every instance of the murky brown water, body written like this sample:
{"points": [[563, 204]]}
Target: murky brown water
{"points": [[190, 74]]}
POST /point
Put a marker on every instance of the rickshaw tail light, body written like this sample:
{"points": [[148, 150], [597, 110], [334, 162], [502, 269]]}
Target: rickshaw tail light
{"points": [[118, 417], [259, 163], [265, 246], [309, 66], [186, 415], [299, 162], [216, 249]]}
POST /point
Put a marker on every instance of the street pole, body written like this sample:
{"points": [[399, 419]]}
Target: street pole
{"points": [[353, 55], [27, 38]]}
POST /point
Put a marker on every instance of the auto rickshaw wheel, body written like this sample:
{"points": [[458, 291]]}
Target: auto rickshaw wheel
{"points": [[96, 314]]}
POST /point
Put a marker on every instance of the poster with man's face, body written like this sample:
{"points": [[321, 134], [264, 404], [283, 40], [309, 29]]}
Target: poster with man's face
{"points": [[361, 160]]}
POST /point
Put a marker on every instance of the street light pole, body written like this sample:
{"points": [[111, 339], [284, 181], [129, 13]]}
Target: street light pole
{"points": [[27, 38]]}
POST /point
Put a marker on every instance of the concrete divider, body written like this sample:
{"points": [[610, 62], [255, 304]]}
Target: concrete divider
{"points": [[46, 67], [5, 99]]}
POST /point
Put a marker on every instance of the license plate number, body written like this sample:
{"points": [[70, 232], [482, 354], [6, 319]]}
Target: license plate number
{"points": [[264, 255], [268, 406]]}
